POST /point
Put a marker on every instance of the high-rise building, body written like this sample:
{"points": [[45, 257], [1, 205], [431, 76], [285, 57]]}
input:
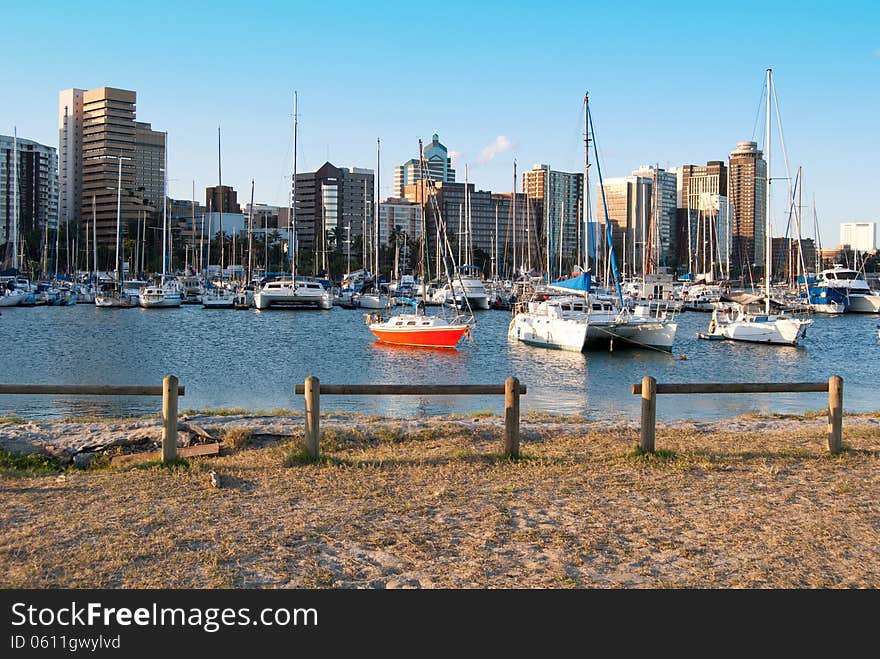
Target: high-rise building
{"points": [[332, 204], [628, 200], [860, 236], [222, 199], [70, 124], [748, 186], [149, 164], [37, 191], [664, 185], [704, 234], [437, 161], [558, 198], [97, 132]]}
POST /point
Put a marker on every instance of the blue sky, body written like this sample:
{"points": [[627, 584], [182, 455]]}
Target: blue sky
{"points": [[669, 83]]}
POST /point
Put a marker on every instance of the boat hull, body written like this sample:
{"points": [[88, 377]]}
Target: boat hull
{"points": [[651, 334], [545, 332], [163, 302], [782, 331], [446, 336], [864, 304]]}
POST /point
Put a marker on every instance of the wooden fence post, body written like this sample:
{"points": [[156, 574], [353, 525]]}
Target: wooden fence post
{"points": [[835, 413], [649, 414], [511, 417], [313, 414], [169, 418]]}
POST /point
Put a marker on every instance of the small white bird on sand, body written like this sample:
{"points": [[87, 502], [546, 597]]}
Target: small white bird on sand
{"points": [[215, 479]]}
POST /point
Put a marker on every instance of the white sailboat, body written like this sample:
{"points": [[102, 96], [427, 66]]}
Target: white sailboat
{"points": [[167, 293], [371, 296], [741, 325], [218, 295], [114, 295], [296, 292]]}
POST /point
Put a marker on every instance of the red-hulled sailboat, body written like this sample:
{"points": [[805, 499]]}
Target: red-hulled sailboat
{"points": [[417, 328]]}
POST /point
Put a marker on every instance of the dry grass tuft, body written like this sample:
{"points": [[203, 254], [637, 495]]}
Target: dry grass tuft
{"points": [[237, 437]]}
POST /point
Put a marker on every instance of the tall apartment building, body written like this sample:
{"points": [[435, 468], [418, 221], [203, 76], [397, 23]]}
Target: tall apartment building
{"points": [[705, 232], [332, 203], [149, 164], [860, 236], [558, 198], [664, 186], [437, 160], [37, 192], [70, 124], [222, 199], [97, 130], [747, 197], [628, 200]]}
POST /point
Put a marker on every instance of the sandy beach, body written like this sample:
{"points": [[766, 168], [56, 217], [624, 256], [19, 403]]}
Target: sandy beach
{"points": [[750, 502]]}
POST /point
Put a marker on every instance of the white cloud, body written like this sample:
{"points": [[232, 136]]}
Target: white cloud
{"points": [[456, 157], [500, 145]]}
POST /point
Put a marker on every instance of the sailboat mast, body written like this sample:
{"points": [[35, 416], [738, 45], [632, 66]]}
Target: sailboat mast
{"points": [[291, 216], [376, 225], [220, 216], [513, 219], [250, 268], [95, 239], [15, 198], [768, 240], [165, 244], [586, 191], [118, 223], [195, 259]]}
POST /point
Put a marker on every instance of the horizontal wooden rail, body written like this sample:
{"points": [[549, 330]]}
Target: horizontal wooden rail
{"points": [[170, 390], [409, 389], [736, 387], [648, 389], [312, 389], [87, 389]]}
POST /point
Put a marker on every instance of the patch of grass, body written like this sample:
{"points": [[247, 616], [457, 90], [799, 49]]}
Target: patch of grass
{"points": [[659, 455], [100, 461], [33, 462], [237, 437], [297, 455], [220, 411], [240, 411], [12, 418]]}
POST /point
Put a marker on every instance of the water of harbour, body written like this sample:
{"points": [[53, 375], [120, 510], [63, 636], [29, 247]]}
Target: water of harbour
{"points": [[249, 359]]}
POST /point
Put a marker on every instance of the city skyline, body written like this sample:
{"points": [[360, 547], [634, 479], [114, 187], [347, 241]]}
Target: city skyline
{"points": [[509, 85]]}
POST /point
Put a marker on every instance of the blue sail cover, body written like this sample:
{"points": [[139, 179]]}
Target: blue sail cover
{"points": [[581, 283]]}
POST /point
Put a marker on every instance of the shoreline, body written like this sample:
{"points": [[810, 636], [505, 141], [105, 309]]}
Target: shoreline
{"points": [[66, 439]]}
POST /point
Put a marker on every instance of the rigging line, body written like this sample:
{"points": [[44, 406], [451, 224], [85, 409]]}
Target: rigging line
{"points": [[758, 113]]}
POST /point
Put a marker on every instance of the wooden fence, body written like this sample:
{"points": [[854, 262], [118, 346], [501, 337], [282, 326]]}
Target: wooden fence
{"points": [[170, 390], [649, 390], [313, 389]]}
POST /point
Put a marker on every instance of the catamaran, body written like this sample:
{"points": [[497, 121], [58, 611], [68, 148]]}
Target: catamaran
{"points": [[583, 317], [296, 292]]}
